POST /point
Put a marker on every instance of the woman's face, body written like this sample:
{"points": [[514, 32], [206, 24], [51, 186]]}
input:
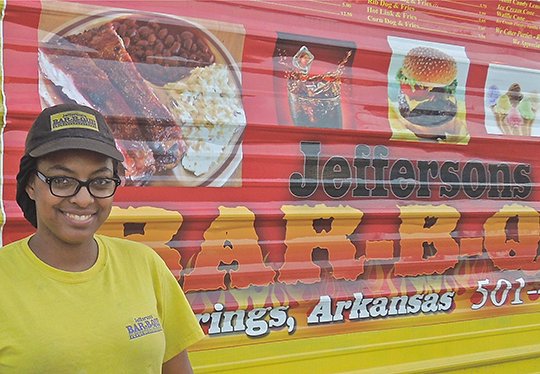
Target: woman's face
{"points": [[70, 220]]}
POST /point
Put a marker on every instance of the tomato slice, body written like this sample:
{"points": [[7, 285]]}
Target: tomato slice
{"points": [[417, 92]]}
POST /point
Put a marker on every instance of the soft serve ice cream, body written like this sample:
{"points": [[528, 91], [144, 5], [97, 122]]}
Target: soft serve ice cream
{"points": [[514, 111]]}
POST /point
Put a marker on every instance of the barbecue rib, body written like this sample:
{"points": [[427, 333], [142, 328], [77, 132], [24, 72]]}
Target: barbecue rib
{"points": [[161, 132], [69, 67]]}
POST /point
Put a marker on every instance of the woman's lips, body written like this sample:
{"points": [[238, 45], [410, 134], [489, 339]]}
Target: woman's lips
{"points": [[78, 217]]}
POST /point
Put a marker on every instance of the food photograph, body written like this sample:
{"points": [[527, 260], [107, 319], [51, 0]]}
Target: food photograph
{"points": [[426, 91], [511, 101], [312, 79], [169, 87]]}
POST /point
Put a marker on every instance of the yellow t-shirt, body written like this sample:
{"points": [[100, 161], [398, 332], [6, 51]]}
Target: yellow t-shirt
{"points": [[126, 314]]}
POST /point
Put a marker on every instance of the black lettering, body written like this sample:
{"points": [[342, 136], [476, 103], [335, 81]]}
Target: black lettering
{"points": [[361, 162], [523, 180], [336, 177], [450, 179], [428, 171], [305, 185], [380, 163], [474, 179], [497, 171], [402, 178]]}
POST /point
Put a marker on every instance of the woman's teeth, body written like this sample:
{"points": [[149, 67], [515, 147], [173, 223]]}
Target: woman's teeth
{"points": [[78, 217]]}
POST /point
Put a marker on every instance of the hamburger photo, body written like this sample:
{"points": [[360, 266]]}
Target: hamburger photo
{"points": [[427, 97]]}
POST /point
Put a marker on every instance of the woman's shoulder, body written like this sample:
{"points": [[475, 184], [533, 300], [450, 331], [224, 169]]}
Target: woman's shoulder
{"points": [[13, 258], [13, 247]]}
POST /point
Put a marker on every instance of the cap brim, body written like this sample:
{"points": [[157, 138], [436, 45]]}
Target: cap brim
{"points": [[61, 144]]}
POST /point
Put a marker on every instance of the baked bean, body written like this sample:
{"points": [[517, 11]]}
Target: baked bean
{"points": [[131, 32], [139, 53], [163, 33], [160, 47], [169, 40], [144, 31], [186, 35], [187, 44], [175, 48]]}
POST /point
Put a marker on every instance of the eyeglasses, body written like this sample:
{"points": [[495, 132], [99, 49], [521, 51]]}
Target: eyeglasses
{"points": [[100, 188]]}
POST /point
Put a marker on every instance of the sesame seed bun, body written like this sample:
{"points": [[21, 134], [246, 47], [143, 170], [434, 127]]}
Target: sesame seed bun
{"points": [[429, 67]]}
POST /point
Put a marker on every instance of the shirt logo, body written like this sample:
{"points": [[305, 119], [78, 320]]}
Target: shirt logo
{"points": [[143, 326], [73, 119]]}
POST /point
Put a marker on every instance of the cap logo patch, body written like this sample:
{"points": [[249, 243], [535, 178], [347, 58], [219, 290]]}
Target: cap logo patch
{"points": [[73, 119]]}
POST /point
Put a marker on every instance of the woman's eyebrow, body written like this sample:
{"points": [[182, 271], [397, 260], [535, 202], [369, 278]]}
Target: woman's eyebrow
{"points": [[59, 167], [104, 169]]}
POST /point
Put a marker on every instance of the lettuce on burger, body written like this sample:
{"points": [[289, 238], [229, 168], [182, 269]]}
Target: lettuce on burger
{"points": [[427, 102]]}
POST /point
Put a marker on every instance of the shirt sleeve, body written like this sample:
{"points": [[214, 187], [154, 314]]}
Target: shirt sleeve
{"points": [[179, 323]]}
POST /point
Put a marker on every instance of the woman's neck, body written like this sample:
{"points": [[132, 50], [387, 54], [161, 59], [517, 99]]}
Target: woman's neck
{"points": [[65, 256]]}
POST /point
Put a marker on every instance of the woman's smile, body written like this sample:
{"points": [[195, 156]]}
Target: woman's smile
{"points": [[78, 218]]}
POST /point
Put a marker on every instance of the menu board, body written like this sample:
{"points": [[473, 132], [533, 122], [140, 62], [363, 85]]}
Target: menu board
{"points": [[305, 168]]}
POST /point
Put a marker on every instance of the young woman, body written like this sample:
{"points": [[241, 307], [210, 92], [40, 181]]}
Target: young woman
{"points": [[74, 301]]}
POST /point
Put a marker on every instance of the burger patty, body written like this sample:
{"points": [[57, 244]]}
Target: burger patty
{"points": [[428, 113]]}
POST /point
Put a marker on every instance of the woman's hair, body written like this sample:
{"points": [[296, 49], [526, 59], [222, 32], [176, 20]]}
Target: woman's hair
{"points": [[27, 168]]}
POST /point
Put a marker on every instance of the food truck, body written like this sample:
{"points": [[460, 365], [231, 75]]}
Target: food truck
{"points": [[338, 186]]}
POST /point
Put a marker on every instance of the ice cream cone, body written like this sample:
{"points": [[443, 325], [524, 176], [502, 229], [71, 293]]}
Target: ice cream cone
{"points": [[501, 123], [527, 109], [515, 112], [526, 128]]}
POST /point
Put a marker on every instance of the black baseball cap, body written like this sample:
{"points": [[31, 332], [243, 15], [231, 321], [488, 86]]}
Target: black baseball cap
{"points": [[70, 126]]}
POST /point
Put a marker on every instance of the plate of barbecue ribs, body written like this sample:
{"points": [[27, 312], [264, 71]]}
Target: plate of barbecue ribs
{"points": [[169, 88]]}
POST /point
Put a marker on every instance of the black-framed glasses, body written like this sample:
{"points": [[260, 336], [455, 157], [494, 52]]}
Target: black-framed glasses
{"points": [[100, 188]]}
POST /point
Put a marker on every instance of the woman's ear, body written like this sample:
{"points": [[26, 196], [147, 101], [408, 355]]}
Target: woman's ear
{"points": [[30, 191]]}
